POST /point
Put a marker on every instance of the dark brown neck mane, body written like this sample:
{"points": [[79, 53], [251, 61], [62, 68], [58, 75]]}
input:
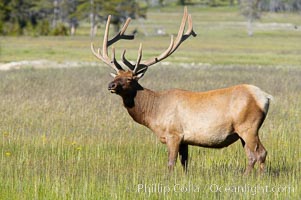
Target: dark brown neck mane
{"points": [[141, 105]]}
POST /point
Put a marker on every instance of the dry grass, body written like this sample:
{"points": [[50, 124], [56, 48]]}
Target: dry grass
{"points": [[65, 137]]}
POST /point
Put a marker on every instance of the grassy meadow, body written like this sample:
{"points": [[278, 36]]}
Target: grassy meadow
{"points": [[64, 136]]}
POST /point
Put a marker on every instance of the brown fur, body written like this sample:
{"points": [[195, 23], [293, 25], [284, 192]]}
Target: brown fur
{"points": [[213, 119], [179, 118]]}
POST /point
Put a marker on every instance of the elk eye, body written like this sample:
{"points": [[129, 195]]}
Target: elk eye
{"points": [[128, 80]]}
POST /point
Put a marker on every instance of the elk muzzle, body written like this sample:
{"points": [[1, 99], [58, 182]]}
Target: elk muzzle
{"points": [[112, 87]]}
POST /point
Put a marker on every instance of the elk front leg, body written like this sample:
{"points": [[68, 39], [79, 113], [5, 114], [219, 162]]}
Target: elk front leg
{"points": [[173, 145], [183, 152]]}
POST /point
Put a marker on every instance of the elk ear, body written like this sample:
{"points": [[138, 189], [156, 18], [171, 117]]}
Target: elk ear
{"points": [[138, 76], [113, 75]]}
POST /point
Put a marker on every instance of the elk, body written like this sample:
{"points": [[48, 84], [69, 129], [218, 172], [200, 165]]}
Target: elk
{"points": [[213, 119]]}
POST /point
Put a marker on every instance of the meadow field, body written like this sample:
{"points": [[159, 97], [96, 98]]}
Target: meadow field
{"points": [[64, 136]]}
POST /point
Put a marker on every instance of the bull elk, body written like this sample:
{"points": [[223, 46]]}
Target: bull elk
{"points": [[179, 118]]}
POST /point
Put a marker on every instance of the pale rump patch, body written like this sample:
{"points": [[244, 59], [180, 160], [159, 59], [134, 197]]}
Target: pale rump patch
{"points": [[262, 98]]}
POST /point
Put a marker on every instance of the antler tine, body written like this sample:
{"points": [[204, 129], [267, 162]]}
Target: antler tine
{"points": [[138, 59], [118, 66], [126, 62], [181, 31], [105, 39], [100, 57], [121, 35], [190, 30], [181, 37], [94, 52], [125, 26]]}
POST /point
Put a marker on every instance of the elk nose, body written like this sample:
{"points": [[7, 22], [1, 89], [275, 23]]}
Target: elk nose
{"points": [[112, 86]]}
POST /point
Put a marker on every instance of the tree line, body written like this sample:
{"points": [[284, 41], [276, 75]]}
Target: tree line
{"points": [[62, 17]]}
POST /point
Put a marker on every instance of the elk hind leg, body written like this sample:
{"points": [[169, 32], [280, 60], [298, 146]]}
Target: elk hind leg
{"points": [[261, 154], [251, 156], [254, 151]]}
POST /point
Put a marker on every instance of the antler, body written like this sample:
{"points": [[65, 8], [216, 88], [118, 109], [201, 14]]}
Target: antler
{"points": [[106, 43], [141, 67], [174, 44]]}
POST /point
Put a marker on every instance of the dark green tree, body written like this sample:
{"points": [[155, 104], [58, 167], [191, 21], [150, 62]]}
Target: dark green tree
{"points": [[43, 17], [98, 10], [15, 16]]}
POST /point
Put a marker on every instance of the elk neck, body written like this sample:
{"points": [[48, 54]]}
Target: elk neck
{"points": [[141, 105]]}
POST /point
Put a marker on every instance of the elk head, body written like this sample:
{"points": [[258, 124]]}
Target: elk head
{"points": [[126, 82]]}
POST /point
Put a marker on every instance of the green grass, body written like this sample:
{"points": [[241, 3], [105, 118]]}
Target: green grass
{"points": [[64, 136]]}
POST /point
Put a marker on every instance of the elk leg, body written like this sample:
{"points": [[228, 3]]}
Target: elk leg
{"points": [[249, 147], [254, 151], [173, 145], [251, 159], [261, 155], [184, 156]]}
